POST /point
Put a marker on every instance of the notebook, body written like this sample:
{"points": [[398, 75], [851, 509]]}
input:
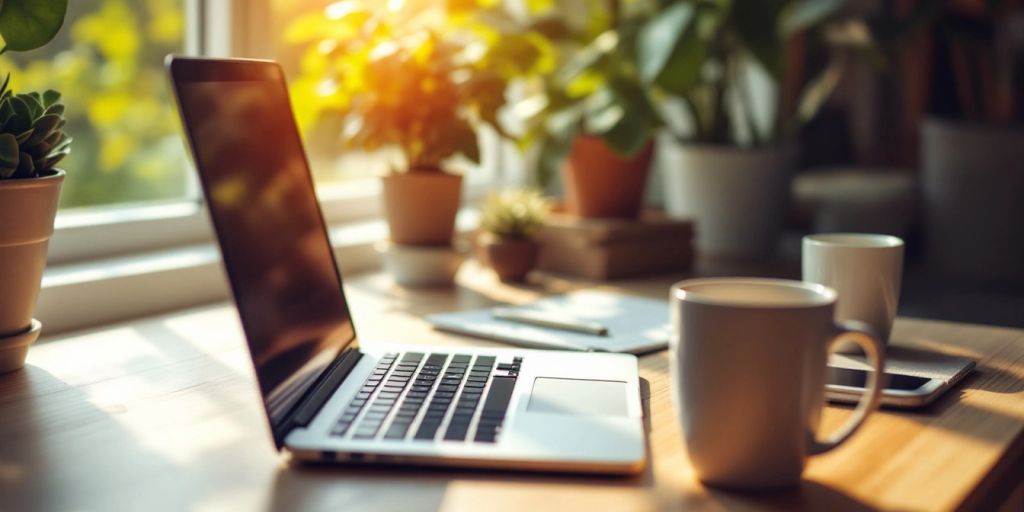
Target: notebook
{"points": [[635, 325]]}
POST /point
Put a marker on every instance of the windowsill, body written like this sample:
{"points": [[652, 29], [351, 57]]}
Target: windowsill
{"points": [[96, 292]]}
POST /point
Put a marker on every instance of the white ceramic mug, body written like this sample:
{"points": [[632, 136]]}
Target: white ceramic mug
{"points": [[748, 361], [865, 269]]}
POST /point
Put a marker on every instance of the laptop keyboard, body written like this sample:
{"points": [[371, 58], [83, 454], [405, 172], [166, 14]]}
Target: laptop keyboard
{"points": [[396, 391]]}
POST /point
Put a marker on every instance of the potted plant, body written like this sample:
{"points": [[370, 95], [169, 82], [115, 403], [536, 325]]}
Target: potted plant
{"points": [[509, 220], [32, 143], [593, 120], [422, 88], [972, 141], [729, 146]]}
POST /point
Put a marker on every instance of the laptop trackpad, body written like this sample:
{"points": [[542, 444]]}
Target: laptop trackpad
{"points": [[578, 397]]}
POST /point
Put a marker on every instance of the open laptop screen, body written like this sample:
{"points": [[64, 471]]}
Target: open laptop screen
{"points": [[272, 236]]}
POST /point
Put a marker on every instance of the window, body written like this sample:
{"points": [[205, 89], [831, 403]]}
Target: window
{"points": [[130, 183], [107, 62], [131, 220]]}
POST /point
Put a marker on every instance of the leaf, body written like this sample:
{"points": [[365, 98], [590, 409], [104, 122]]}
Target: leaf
{"points": [[633, 129], [6, 111], [26, 167], [585, 84], [9, 155], [43, 127], [52, 140], [22, 118], [563, 124], [466, 142], [757, 24], [28, 24], [63, 148], [34, 102], [803, 14], [818, 90], [685, 66], [660, 37], [24, 136], [50, 98], [603, 110], [588, 56]]}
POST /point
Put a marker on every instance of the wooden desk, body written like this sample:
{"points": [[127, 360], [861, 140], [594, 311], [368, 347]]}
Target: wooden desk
{"points": [[162, 413]]}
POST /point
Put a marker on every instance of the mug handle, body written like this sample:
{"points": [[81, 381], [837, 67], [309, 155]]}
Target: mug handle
{"points": [[861, 334]]}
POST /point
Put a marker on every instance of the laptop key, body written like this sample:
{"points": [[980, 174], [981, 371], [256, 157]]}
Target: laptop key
{"points": [[492, 416], [456, 432], [427, 431]]}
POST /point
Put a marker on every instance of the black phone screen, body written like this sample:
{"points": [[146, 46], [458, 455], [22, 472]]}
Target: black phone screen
{"points": [[858, 379]]}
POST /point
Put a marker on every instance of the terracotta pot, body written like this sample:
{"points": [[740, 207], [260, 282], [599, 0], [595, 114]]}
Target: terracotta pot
{"points": [[511, 258], [421, 206], [27, 207], [14, 349], [602, 183]]}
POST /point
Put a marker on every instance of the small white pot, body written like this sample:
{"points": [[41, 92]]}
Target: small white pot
{"points": [[737, 198], [972, 190], [421, 265]]}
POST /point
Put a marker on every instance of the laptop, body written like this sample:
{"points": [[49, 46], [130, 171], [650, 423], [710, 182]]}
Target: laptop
{"points": [[329, 397]]}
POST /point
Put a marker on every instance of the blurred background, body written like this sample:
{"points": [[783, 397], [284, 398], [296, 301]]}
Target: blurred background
{"points": [[906, 115]]}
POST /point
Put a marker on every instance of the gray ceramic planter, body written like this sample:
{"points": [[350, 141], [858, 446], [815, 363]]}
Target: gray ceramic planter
{"points": [[972, 187]]}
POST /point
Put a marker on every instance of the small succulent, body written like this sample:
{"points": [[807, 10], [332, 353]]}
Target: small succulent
{"points": [[32, 138], [514, 213]]}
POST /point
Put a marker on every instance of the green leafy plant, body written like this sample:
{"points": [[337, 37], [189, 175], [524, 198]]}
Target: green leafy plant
{"points": [[28, 24], [516, 213], [32, 138], [405, 80], [597, 89], [720, 56]]}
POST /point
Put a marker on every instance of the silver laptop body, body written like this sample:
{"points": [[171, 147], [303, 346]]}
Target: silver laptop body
{"points": [[327, 396]]}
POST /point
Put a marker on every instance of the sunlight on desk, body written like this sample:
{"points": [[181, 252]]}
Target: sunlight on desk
{"points": [[166, 409]]}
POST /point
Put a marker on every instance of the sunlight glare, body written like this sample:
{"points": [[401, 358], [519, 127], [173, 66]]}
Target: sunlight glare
{"points": [[339, 10]]}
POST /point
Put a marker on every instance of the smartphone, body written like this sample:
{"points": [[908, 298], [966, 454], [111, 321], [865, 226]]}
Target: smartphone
{"points": [[846, 385]]}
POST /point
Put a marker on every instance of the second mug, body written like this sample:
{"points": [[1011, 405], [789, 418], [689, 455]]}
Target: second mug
{"points": [[864, 269]]}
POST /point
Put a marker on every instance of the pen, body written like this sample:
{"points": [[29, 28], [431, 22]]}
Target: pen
{"points": [[542, 319]]}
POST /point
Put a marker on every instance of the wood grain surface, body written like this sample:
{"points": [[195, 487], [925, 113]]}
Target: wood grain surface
{"points": [[163, 414]]}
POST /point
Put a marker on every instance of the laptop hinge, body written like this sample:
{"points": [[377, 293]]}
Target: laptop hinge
{"points": [[315, 398]]}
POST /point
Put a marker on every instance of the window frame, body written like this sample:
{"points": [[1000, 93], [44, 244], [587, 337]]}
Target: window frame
{"points": [[127, 229], [112, 263]]}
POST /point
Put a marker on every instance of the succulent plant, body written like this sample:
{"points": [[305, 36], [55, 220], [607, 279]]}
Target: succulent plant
{"points": [[32, 138], [514, 213]]}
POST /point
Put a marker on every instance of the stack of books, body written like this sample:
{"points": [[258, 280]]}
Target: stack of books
{"points": [[615, 248]]}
